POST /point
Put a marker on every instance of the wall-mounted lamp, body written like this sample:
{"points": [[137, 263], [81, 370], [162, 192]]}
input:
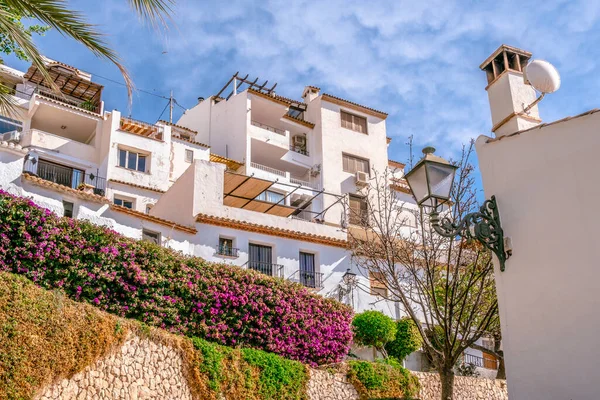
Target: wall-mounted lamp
{"points": [[431, 181], [349, 277]]}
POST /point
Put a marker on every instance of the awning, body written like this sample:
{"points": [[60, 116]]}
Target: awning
{"points": [[231, 164], [67, 81], [240, 191]]}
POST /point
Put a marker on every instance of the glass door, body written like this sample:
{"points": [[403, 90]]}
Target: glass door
{"points": [[307, 269], [260, 258]]}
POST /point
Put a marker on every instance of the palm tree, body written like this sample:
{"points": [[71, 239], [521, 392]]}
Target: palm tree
{"points": [[57, 15]]}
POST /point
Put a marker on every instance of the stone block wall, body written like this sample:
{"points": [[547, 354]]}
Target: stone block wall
{"points": [[465, 388], [143, 369]]}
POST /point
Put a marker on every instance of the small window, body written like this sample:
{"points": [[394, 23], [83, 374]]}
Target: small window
{"points": [[354, 122], [359, 210], [226, 247], [189, 155], [271, 197], [68, 209], [148, 208], [123, 203], [377, 282], [151, 236], [132, 160], [352, 164]]}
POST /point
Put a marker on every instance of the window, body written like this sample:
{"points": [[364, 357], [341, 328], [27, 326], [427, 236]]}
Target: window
{"points": [[148, 208], [151, 236], [354, 122], [352, 164], [189, 155], [308, 276], [358, 210], [377, 282], [9, 125], [260, 258], [123, 202], [68, 209], [270, 197], [226, 248], [132, 160]]}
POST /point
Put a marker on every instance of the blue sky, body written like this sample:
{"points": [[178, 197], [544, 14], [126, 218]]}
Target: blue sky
{"points": [[416, 60]]}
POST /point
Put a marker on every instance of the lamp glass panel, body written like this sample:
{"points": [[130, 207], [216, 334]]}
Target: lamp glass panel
{"points": [[440, 179], [417, 180]]}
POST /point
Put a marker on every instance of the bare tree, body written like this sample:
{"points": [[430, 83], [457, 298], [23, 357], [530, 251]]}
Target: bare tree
{"points": [[445, 285]]}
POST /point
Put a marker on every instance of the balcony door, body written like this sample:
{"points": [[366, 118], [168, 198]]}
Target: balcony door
{"points": [[307, 269], [260, 258], [65, 176]]}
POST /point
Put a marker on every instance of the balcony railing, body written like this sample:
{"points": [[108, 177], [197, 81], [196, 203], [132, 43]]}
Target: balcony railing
{"points": [[79, 103], [268, 127], [313, 280], [228, 251], [268, 169], [65, 176], [304, 183], [266, 268], [480, 361], [299, 150]]}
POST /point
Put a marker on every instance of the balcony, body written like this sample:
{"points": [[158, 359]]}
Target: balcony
{"points": [[227, 251], [59, 144], [299, 150], [270, 173], [269, 128], [266, 268], [87, 105], [65, 176], [312, 280], [481, 362]]}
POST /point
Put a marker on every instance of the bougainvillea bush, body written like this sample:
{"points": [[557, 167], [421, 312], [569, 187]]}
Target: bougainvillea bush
{"points": [[163, 288]]}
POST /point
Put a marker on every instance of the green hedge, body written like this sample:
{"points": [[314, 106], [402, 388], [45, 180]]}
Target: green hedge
{"points": [[382, 379]]}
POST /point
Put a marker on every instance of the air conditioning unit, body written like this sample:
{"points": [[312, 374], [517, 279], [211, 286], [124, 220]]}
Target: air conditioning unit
{"points": [[12, 136], [299, 140], [361, 178]]}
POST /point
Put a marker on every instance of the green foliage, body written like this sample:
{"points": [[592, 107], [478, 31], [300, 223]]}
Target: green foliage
{"points": [[249, 373], [382, 378], [408, 339], [7, 42], [279, 378], [373, 328]]}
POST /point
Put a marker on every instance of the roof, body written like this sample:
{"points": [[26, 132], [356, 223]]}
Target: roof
{"points": [[231, 164], [177, 126], [4, 145], [400, 185], [65, 189], [540, 126], [152, 218], [177, 137], [271, 230], [136, 185], [350, 104], [275, 97], [396, 164], [141, 128], [300, 121]]}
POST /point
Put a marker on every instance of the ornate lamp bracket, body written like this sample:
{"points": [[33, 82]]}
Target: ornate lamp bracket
{"points": [[483, 226]]}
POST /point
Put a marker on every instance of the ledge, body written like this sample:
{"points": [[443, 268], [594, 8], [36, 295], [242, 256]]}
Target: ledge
{"points": [[64, 189], [152, 218], [136, 185]]}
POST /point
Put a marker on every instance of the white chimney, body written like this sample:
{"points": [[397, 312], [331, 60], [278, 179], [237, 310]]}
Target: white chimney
{"points": [[310, 93], [508, 91]]}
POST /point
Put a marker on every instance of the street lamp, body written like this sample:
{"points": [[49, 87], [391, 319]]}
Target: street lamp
{"points": [[431, 182]]}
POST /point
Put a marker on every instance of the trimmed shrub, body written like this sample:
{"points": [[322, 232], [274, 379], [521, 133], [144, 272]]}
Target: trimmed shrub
{"points": [[373, 328], [382, 379], [163, 288], [408, 339], [44, 336]]}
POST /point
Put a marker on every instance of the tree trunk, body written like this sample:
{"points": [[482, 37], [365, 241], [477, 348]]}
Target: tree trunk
{"points": [[501, 368], [447, 380]]}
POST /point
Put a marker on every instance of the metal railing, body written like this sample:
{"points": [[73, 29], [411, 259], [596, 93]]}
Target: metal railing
{"points": [[304, 183], [65, 176], [228, 251], [79, 103], [268, 127], [299, 150], [313, 280], [268, 169], [480, 361], [266, 268]]}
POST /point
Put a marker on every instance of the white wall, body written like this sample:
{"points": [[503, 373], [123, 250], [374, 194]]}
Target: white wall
{"points": [[178, 165], [546, 187]]}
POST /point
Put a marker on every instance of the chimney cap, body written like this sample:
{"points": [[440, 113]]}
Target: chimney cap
{"points": [[499, 50]]}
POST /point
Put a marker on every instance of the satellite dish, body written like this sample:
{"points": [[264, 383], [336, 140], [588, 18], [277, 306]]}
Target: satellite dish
{"points": [[542, 76]]}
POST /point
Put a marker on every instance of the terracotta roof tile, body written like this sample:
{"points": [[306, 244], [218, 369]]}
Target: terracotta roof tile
{"points": [[270, 230], [367, 110], [300, 121], [136, 185], [65, 189], [275, 97], [396, 164], [177, 137], [177, 126], [12, 147], [153, 218], [401, 185]]}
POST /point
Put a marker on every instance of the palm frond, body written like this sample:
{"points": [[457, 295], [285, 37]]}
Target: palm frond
{"points": [[157, 12], [69, 23]]}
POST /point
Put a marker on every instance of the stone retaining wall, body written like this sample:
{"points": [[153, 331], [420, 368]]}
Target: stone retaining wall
{"points": [[144, 370], [465, 388]]}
